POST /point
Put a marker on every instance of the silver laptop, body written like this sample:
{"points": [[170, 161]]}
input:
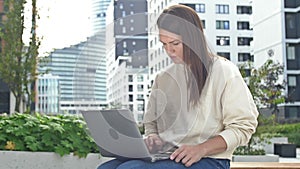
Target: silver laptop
{"points": [[117, 135]]}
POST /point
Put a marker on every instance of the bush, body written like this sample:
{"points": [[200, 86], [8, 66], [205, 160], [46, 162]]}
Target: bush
{"points": [[61, 134], [245, 150], [291, 131]]}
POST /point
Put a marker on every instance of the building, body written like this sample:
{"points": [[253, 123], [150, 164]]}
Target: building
{"points": [[48, 97], [81, 74], [276, 32], [81, 68], [226, 26], [127, 57], [99, 14]]}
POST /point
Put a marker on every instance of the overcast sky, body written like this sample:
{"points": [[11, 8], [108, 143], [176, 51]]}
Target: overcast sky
{"points": [[63, 23]]}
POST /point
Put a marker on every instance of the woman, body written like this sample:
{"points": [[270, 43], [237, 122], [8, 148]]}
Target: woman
{"points": [[200, 105]]}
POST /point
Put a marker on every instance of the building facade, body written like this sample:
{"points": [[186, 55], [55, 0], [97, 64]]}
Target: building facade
{"points": [[99, 15], [127, 56], [48, 97], [226, 27], [81, 74], [276, 31]]}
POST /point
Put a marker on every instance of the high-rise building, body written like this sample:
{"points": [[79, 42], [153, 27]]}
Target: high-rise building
{"points": [[276, 32], [226, 27], [128, 56], [99, 14], [81, 74], [81, 68]]}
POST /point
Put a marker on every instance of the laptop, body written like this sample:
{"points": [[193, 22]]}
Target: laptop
{"points": [[117, 135]]}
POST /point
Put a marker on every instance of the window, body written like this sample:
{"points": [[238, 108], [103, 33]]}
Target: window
{"points": [[200, 8], [140, 107], [100, 15], [243, 26], [222, 25], [291, 53], [222, 9], [224, 54], [140, 87], [247, 72], [140, 78], [140, 96], [125, 52], [131, 107], [223, 40], [291, 22], [292, 81], [203, 24], [130, 78], [292, 112], [244, 10], [291, 3], [244, 41], [242, 57], [130, 88], [130, 98]]}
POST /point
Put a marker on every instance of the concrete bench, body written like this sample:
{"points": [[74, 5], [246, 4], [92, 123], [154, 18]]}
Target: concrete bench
{"points": [[265, 165]]}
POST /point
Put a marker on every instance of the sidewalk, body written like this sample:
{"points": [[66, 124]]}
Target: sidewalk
{"points": [[297, 159]]}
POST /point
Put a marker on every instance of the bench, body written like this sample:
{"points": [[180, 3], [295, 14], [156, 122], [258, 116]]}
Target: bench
{"points": [[265, 165]]}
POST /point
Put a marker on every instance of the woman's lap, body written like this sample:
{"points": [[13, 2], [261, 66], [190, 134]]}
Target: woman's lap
{"points": [[205, 163]]}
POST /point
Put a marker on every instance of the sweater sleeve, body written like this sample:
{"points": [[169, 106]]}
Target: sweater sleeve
{"points": [[239, 113]]}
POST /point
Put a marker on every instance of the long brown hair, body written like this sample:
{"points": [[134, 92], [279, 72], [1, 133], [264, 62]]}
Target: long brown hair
{"points": [[184, 21]]}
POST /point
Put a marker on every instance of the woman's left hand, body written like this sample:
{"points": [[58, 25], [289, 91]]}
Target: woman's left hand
{"points": [[188, 154]]}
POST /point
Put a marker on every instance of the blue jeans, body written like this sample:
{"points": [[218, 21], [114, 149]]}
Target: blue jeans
{"points": [[205, 163]]}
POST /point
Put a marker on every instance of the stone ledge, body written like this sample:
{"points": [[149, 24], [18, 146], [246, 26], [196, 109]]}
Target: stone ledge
{"points": [[264, 165], [47, 160], [256, 158]]}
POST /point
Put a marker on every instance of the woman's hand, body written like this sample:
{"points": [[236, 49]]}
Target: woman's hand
{"points": [[154, 143], [188, 154]]}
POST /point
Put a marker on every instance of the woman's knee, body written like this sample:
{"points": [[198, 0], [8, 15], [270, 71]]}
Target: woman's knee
{"points": [[133, 164], [112, 164]]}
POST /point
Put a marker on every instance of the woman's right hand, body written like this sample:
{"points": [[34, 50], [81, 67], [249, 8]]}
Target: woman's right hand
{"points": [[154, 143]]}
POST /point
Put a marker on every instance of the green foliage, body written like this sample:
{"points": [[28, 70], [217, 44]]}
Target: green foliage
{"points": [[264, 84], [292, 131], [246, 150], [62, 134], [267, 91]]}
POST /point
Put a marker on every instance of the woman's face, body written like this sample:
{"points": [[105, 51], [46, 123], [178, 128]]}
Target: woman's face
{"points": [[173, 45]]}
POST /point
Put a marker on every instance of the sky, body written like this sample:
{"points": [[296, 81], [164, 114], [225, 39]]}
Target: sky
{"points": [[63, 23]]}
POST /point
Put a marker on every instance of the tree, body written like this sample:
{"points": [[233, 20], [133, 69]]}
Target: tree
{"points": [[264, 84], [268, 92], [18, 61], [267, 89]]}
